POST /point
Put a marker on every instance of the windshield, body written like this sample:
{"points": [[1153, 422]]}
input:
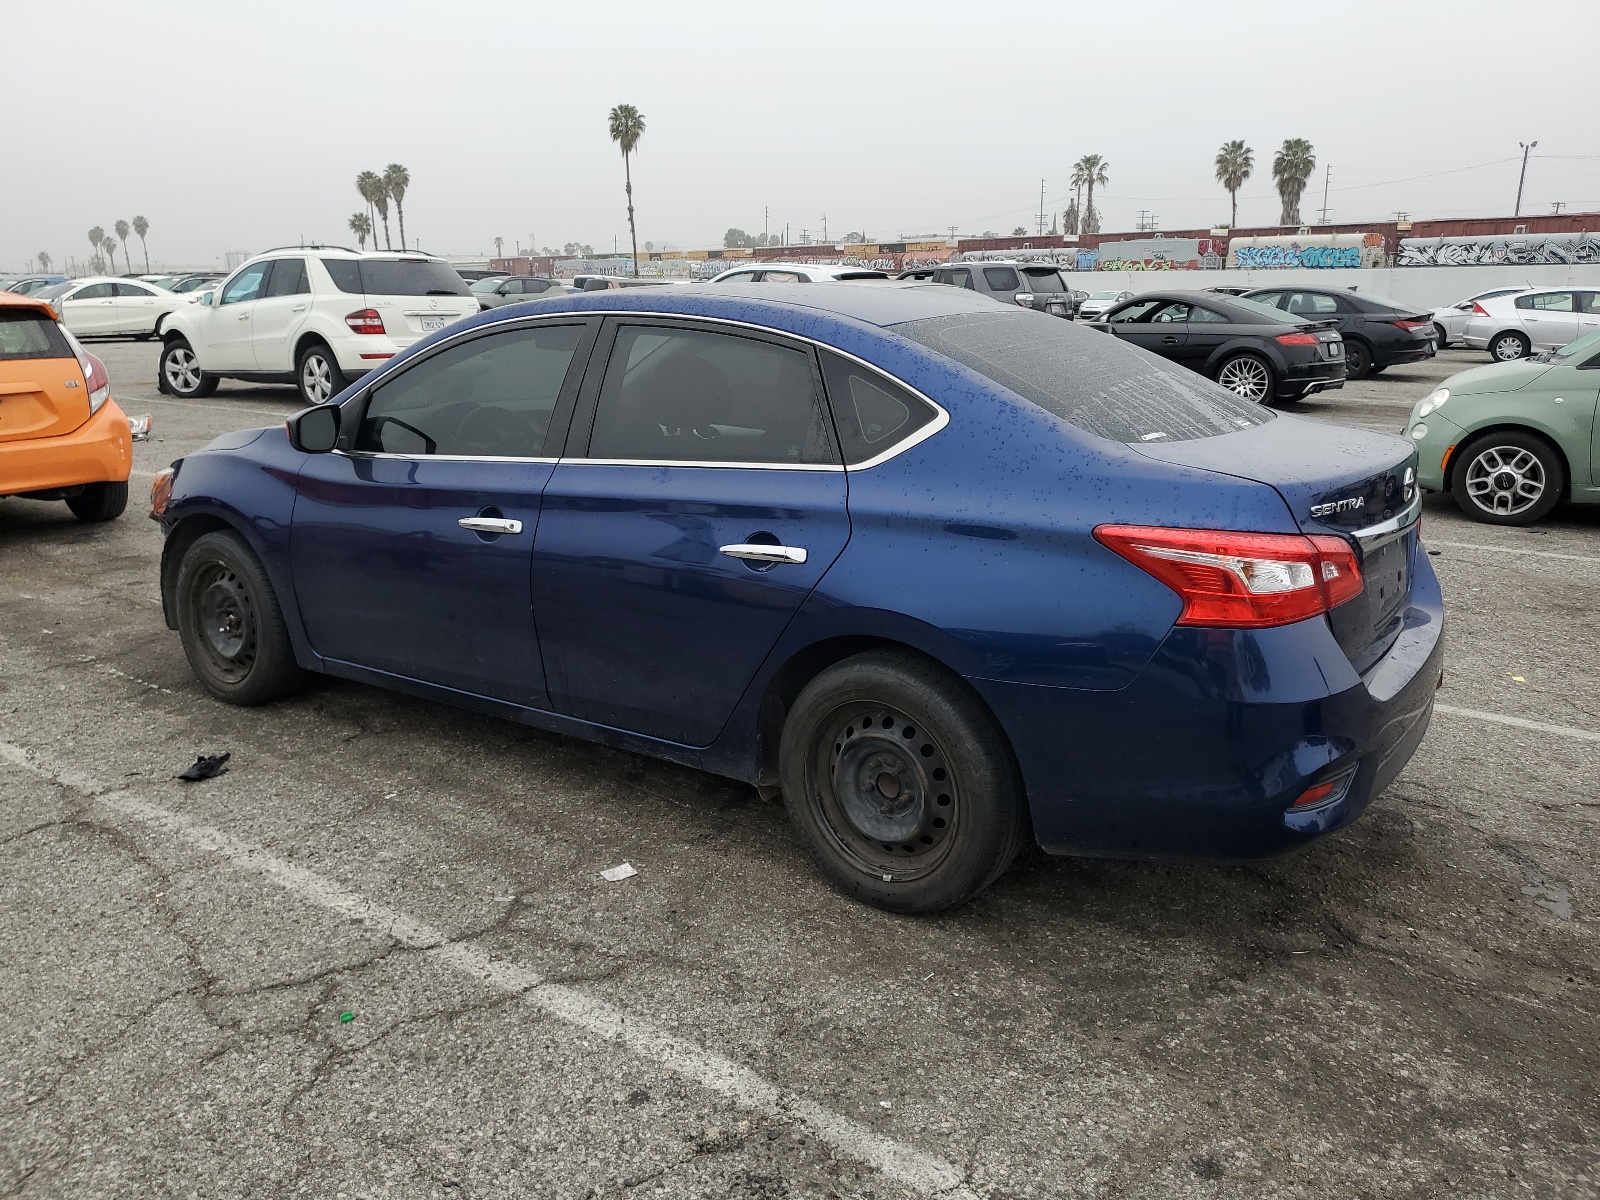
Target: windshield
{"points": [[54, 290], [1104, 295], [1103, 386], [395, 277], [1268, 312], [1580, 349]]}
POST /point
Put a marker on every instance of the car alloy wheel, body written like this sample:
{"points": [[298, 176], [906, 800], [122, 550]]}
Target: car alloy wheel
{"points": [[182, 371], [1505, 481], [316, 378], [1246, 377], [1508, 347]]}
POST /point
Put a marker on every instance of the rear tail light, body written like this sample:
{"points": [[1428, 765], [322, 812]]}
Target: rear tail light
{"points": [[1479, 310], [1413, 323], [367, 320], [1241, 580], [94, 373], [1296, 339], [1025, 299]]}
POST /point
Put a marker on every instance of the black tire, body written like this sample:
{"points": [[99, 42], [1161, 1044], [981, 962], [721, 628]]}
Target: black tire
{"points": [[100, 502], [1509, 345], [1441, 342], [1248, 376], [317, 374], [946, 814], [179, 373], [1357, 359], [1378, 370], [1494, 477], [232, 628]]}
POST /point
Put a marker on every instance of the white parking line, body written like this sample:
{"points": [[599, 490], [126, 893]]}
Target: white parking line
{"points": [[896, 1161], [1582, 735], [238, 408], [1428, 541]]}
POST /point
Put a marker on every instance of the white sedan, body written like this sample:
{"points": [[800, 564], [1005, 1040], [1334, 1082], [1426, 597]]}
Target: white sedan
{"points": [[1450, 323], [1512, 327], [104, 306], [780, 272]]}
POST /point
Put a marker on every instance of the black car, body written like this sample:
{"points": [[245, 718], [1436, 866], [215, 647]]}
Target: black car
{"points": [[1253, 350], [1377, 333]]}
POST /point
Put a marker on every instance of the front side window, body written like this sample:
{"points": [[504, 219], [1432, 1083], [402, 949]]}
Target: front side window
{"points": [[246, 285], [1140, 310], [1000, 279], [288, 278], [685, 395], [1170, 314], [957, 278], [781, 277], [1589, 303], [871, 412], [739, 277], [491, 397]]}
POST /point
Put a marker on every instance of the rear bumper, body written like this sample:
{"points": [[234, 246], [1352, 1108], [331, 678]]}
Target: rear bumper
{"points": [[1204, 754], [1394, 353], [1301, 379], [98, 451]]}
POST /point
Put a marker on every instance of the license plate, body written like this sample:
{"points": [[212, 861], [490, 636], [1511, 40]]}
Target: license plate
{"points": [[1335, 349], [1388, 581], [430, 324], [1057, 310]]}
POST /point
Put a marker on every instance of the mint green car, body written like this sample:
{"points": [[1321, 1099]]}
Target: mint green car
{"points": [[1511, 440]]}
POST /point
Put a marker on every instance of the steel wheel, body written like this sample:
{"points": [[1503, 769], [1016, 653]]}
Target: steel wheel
{"points": [[1246, 377], [1505, 481], [226, 619], [1508, 347], [182, 370], [316, 378]]}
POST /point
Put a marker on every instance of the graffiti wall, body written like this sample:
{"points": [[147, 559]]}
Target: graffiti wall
{"points": [[1160, 254], [1511, 250], [1319, 251]]}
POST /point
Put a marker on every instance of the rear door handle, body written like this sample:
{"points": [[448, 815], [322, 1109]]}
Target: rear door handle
{"points": [[767, 554], [298, 308], [1169, 340], [490, 525]]}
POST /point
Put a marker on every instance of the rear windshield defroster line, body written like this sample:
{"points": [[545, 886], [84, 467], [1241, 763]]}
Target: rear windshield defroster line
{"points": [[395, 277], [1088, 378]]}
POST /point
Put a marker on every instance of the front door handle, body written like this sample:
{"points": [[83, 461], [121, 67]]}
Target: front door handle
{"points": [[1169, 340], [490, 525], [753, 552], [245, 317]]}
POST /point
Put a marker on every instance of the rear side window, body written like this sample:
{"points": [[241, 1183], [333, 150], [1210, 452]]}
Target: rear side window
{"points": [[30, 335], [871, 412], [1095, 382], [1000, 279], [395, 277]]}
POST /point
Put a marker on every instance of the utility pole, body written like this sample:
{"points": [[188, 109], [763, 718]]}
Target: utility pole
{"points": [[953, 232], [1041, 207], [825, 229], [1520, 178], [1147, 221], [1556, 206], [766, 216], [1326, 176]]}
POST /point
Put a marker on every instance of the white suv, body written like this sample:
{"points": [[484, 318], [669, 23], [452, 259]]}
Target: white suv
{"points": [[314, 316]]}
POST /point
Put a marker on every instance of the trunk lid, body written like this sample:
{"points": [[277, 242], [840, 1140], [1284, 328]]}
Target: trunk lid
{"points": [[1352, 483]]}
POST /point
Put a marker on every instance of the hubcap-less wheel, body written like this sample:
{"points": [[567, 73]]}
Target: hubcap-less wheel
{"points": [[316, 378], [1509, 347], [1247, 378], [227, 621], [1505, 480], [183, 372], [887, 792]]}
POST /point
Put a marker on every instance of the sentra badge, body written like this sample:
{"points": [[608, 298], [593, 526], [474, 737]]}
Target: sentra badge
{"points": [[1338, 506]]}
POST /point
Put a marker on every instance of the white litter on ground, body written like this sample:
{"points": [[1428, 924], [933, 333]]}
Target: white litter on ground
{"points": [[622, 871]]}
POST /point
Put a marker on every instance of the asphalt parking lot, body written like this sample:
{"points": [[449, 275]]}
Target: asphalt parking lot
{"points": [[1406, 1009]]}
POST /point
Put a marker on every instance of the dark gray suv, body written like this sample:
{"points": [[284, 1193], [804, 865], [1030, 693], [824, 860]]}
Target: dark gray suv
{"points": [[1030, 284]]}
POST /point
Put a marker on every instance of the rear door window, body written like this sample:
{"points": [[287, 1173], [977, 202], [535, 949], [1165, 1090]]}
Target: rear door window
{"points": [[491, 397], [1000, 279], [1311, 304], [288, 278], [131, 290], [673, 394], [26, 334], [95, 291], [1100, 384], [1547, 301]]}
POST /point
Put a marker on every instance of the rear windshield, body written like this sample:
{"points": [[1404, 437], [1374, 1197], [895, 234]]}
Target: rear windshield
{"points": [[30, 335], [395, 277], [1087, 378], [1044, 281]]}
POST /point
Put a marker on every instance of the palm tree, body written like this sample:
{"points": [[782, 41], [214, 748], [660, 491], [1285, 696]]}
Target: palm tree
{"points": [[361, 226], [380, 201], [396, 179], [626, 124], [140, 228], [1235, 161], [110, 248], [96, 237], [498, 242], [1086, 172], [1291, 167], [44, 263], [122, 235], [369, 184]]}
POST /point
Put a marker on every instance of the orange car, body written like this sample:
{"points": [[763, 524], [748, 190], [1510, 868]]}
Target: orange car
{"points": [[62, 436]]}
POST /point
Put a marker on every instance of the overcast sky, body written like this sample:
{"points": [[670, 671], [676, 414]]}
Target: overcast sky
{"points": [[240, 127]]}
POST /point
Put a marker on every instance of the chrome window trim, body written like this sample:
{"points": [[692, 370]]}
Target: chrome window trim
{"points": [[1374, 537], [491, 458], [940, 420]]}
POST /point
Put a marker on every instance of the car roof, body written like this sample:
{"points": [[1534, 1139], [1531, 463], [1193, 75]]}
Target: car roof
{"points": [[881, 302], [12, 300]]}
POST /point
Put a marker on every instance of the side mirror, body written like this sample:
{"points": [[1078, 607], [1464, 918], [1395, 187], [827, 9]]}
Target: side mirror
{"points": [[314, 430], [205, 298]]}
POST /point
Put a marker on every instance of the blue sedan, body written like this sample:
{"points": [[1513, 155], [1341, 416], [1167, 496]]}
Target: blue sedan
{"points": [[946, 574]]}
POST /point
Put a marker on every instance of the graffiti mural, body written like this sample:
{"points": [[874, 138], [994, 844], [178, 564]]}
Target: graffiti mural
{"points": [[1514, 250], [1161, 254], [1319, 251]]}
